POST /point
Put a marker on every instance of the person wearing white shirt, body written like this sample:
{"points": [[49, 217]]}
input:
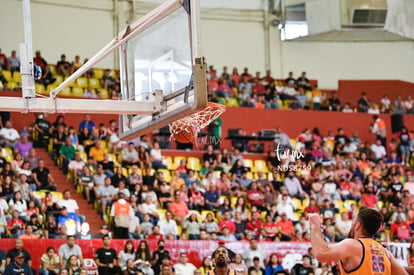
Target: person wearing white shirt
{"points": [[156, 157], [343, 226], [285, 207], [184, 267], [9, 134], [378, 149], [4, 208], [293, 186], [70, 204], [168, 226], [252, 252]]}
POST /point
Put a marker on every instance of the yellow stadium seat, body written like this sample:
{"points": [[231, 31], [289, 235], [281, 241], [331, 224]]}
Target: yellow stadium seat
{"points": [[105, 93], [94, 83], [166, 173], [161, 213], [260, 165], [216, 174], [204, 213], [331, 145], [263, 215], [7, 154], [17, 77], [56, 196], [297, 216], [38, 195], [233, 201], [7, 75], [77, 91], [251, 175], [12, 85], [168, 162], [297, 204], [82, 82], [112, 157], [340, 205], [232, 102], [59, 79], [248, 163], [193, 163], [177, 161], [73, 83], [52, 68], [65, 92], [98, 73], [293, 142], [83, 156], [39, 88]]}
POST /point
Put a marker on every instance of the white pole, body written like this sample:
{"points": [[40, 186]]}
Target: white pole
{"points": [[26, 53]]}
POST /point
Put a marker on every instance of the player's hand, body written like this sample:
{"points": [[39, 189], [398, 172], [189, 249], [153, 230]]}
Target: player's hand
{"points": [[315, 220]]}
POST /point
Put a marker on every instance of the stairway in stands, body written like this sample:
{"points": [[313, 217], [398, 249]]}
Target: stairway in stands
{"points": [[62, 184]]}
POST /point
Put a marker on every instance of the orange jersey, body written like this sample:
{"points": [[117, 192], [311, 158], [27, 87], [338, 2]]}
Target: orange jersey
{"points": [[374, 260]]}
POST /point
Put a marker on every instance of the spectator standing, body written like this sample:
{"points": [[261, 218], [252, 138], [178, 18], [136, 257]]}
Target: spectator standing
{"points": [[405, 147], [122, 212], [378, 127], [106, 259]]}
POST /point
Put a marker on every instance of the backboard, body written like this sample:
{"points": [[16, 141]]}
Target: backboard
{"points": [[163, 60], [162, 74]]}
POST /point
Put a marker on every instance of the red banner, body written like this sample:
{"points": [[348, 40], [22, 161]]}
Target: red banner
{"points": [[196, 250]]}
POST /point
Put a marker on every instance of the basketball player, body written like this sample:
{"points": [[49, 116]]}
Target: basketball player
{"points": [[360, 254], [222, 261]]}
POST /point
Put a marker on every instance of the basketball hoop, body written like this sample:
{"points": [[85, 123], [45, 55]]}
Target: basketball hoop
{"points": [[197, 120]]}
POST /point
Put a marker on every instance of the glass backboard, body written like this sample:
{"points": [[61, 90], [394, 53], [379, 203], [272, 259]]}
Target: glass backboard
{"points": [[163, 62]]}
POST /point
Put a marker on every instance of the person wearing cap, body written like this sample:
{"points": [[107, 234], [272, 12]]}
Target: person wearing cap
{"points": [[42, 126], [18, 248], [18, 266], [122, 213], [103, 231], [70, 220]]}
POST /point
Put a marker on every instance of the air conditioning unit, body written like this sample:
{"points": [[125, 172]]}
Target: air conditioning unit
{"points": [[368, 17]]}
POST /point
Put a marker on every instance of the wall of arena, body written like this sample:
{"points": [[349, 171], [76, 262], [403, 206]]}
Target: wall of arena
{"points": [[230, 37]]}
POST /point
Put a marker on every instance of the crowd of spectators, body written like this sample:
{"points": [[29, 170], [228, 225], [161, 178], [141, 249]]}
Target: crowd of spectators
{"points": [[224, 199], [293, 93], [242, 89]]}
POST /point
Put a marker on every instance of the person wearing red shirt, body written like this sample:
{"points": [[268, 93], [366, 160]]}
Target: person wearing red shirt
{"points": [[15, 226], [311, 208], [155, 234], [369, 199], [227, 222], [255, 224], [255, 197], [179, 208], [400, 229], [285, 226], [270, 229]]}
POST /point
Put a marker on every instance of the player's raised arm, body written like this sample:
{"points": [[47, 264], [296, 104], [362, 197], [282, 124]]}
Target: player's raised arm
{"points": [[325, 252]]}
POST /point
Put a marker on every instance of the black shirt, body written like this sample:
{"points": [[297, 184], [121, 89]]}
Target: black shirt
{"points": [[396, 187], [43, 124], [115, 179], [42, 175], [13, 269], [209, 157], [12, 253], [2, 162], [2, 256], [105, 256], [159, 255], [299, 269]]}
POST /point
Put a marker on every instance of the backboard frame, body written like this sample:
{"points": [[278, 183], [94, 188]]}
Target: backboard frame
{"points": [[156, 106]]}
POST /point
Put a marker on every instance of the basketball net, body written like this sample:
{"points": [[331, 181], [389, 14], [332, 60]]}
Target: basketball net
{"points": [[197, 120]]}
